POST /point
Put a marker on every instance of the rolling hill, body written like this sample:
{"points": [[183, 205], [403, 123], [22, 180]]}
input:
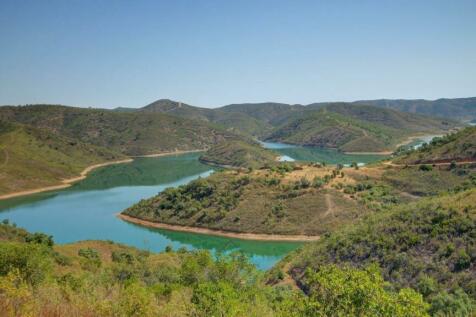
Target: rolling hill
{"points": [[237, 153], [131, 133], [268, 120], [32, 158], [427, 245], [456, 108], [354, 128], [234, 121], [284, 199]]}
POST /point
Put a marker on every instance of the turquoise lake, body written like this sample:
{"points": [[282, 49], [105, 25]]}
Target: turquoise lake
{"points": [[315, 154], [87, 210]]}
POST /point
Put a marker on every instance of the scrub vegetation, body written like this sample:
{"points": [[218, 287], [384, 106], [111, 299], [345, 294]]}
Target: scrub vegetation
{"points": [[100, 278], [452, 148], [237, 153], [288, 199]]}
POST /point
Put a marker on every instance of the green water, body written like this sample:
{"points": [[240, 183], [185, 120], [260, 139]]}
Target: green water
{"points": [[316, 154], [87, 210]]}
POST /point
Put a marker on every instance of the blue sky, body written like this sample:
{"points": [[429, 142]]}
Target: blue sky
{"points": [[211, 53]]}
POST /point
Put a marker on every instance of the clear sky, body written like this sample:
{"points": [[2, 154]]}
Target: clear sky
{"points": [[211, 53]]}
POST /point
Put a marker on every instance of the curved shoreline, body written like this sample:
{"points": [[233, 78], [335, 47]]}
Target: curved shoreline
{"points": [[64, 183], [167, 153], [216, 232], [68, 182]]}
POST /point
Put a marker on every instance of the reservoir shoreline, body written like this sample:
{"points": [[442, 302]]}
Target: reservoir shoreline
{"points": [[70, 181], [217, 232]]}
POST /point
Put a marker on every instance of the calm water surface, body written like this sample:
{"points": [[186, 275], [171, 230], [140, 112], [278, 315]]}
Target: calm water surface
{"points": [[86, 211], [316, 154]]}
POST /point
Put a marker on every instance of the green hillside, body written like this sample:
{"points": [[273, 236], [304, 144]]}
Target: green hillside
{"points": [[353, 128], [460, 146], [391, 118], [237, 153], [427, 245], [131, 133], [457, 108], [285, 199], [32, 158], [360, 128], [328, 129], [99, 278], [235, 121]]}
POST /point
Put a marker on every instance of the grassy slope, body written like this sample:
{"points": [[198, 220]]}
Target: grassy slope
{"points": [[328, 129], [416, 181], [354, 128], [460, 146], [238, 153], [32, 158], [263, 201], [427, 245], [236, 121], [100, 278], [131, 133]]}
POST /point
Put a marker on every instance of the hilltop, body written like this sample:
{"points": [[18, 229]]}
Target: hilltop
{"points": [[234, 121], [346, 126], [32, 158], [267, 120]]}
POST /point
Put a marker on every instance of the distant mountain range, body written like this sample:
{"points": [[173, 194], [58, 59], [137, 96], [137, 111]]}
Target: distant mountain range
{"points": [[352, 127], [70, 133], [457, 108]]}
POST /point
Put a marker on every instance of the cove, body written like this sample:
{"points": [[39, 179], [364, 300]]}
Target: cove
{"points": [[87, 210]]}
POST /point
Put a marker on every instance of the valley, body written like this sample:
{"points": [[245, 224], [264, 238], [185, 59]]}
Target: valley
{"points": [[294, 210]]}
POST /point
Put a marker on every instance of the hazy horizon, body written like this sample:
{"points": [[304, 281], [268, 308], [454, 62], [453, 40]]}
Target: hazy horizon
{"points": [[218, 106], [121, 54]]}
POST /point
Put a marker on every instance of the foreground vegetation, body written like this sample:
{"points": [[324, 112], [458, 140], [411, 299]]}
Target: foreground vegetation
{"points": [[427, 245], [95, 278]]}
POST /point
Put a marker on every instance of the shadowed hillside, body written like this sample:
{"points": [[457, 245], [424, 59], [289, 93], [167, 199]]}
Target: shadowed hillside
{"points": [[237, 153], [354, 128]]}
